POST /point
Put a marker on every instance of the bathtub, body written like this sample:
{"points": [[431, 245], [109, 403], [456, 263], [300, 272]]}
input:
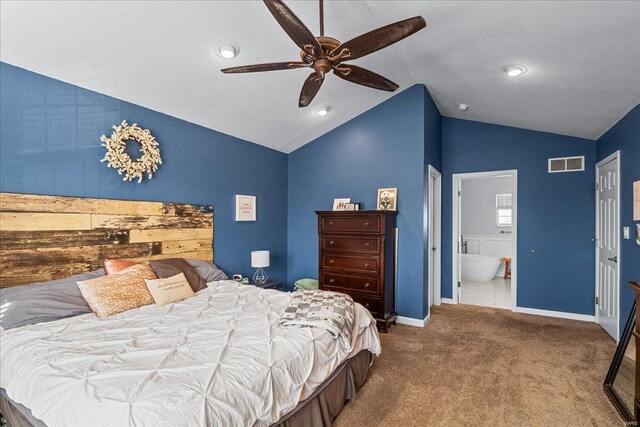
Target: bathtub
{"points": [[479, 267]]}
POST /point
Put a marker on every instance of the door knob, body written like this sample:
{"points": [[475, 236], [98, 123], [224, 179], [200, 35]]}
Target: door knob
{"points": [[614, 259], [433, 248]]}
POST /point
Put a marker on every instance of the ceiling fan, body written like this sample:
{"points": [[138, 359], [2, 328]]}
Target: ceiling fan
{"points": [[324, 54]]}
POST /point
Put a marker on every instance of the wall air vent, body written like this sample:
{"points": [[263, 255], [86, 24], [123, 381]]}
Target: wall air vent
{"points": [[566, 164]]}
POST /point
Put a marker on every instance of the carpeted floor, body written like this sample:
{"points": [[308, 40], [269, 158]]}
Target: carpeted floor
{"points": [[487, 367]]}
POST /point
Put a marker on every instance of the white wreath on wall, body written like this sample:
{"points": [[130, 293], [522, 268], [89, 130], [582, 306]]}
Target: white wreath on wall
{"points": [[118, 159]]}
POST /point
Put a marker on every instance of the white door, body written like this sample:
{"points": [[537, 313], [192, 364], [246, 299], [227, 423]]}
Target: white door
{"points": [[431, 244], [608, 237], [460, 239], [434, 227]]}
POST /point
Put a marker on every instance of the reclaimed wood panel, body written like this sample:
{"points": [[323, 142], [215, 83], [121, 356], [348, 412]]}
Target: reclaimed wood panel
{"points": [[23, 221], [42, 273], [50, 237], [16, 202], [167, 235], [149, 221]]}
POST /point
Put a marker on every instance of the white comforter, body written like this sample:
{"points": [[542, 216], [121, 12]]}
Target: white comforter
{"points": [[217, 359]]}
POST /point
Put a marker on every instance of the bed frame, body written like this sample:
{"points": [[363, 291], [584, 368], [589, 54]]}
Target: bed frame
{"points": [[51, 237]]}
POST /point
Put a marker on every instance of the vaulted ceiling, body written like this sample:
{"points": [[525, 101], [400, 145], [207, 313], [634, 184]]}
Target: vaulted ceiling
{"points": [[583, 60]]}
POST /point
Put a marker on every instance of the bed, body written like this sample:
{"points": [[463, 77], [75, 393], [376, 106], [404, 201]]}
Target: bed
{"points": [[218, 358]]}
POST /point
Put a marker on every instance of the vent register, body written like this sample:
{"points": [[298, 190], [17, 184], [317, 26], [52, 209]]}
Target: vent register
{"points": [[566, 164]]}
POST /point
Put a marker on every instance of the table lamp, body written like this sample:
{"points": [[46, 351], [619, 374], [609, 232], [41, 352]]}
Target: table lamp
{"points": [[259, 259]]}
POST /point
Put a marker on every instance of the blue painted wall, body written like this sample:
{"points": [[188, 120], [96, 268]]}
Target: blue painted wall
{"points": [[50, 144], [625, 136], [556, 218], [383, 147]]}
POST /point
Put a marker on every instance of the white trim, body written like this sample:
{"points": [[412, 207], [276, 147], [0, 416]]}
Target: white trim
{"points": [[457, 178], [413, 322], [558, 314], [611, 157], [437, 237], [447, 301]]}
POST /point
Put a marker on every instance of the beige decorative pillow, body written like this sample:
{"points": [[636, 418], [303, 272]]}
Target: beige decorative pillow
{"points": [[170, 289], [118, 292]]}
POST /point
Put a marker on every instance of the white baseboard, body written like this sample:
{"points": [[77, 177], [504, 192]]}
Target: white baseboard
{"points": [[559, 314], [421, 323], [447, 300]]}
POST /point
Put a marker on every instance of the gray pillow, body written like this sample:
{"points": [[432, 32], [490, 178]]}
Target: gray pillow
{"points": [[207, 270], [43, 301]]}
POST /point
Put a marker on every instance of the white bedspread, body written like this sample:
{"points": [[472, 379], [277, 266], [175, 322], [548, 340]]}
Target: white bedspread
{"points": [[217, 359]]}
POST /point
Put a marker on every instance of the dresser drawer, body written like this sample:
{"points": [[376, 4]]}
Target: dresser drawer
{"points": [[367, 245], [372, 304], [352, 224], [362, 264], [349, 283]]}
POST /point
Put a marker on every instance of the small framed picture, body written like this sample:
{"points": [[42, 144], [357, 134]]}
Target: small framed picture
{"points": [[340, 204], [350, 207], [387, 199], [245, 208]]}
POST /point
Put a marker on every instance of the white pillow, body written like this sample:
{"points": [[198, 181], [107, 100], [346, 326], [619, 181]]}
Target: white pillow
{"points": [[169, 289]]}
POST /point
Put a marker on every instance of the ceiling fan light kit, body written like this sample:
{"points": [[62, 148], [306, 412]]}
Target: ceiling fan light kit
{"points": [[324, 54]]}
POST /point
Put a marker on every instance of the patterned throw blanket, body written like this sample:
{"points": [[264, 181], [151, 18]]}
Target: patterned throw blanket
{"points": [[332, 311]]}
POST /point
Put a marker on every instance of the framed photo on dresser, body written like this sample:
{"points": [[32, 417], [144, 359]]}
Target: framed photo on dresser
{"points": [[387, 199]]}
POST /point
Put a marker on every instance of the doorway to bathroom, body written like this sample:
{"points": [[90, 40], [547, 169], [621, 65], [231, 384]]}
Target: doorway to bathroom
{"points": [[485, 217]]}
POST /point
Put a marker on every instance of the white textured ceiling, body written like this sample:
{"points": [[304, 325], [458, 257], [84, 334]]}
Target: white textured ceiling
{"points": [[583, 60]]}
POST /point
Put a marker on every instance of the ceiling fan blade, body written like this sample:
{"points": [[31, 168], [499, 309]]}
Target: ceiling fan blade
{"points": [[293, 26], [310, 88], [380, 38], [274, 66], [364, 77]]}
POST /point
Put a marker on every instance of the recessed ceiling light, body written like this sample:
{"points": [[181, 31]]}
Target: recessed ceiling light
{"points": [[463, 107], [322, 111], [227, 50], [514, 70]]}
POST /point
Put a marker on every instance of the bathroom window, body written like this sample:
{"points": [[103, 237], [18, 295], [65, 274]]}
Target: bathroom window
{"points": [[503, 210]]}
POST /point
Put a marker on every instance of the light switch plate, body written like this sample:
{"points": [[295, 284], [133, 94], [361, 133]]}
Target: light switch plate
{"points": [[625, 232]]}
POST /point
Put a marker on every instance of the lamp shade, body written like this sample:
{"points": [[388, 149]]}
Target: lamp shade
{"points": [[259, 259]]}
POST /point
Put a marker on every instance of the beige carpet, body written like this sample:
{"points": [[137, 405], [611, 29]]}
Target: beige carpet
{"points": [[487, 367]]}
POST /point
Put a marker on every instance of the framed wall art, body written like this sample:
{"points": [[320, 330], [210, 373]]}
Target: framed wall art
{"points": [[245, 208]]}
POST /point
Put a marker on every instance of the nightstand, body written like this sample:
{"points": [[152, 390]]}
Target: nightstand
{"points": [[269, 284]]}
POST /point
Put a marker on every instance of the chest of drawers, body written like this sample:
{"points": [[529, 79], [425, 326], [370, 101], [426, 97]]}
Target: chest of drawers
{"points": [[357, 256]]}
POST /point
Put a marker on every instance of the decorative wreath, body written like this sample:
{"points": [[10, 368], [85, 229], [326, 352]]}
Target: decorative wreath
{"points": [[121, 161]]}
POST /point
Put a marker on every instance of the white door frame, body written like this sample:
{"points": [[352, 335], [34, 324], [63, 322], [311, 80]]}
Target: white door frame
{"points": [[457, 178], [435, 202], [615, 156]]}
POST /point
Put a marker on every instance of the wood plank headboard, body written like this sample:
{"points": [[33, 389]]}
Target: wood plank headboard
{"points": [[50, 237]]}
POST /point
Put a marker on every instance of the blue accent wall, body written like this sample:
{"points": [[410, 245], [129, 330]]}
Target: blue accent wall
{"points": [[50, 144], [383, 147], [556, 215], [625, 136]]}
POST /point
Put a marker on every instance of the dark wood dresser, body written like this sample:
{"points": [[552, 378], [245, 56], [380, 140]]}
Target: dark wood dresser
{"points": [[356, 256], [635, 286]]}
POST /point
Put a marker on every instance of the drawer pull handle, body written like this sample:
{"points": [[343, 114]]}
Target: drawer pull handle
{"points": [[330, 222], [367, 244], [366, 304], [366, 285], [331, 261], [366, 265], [332, 280], [366, 223], [332, 242]]}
